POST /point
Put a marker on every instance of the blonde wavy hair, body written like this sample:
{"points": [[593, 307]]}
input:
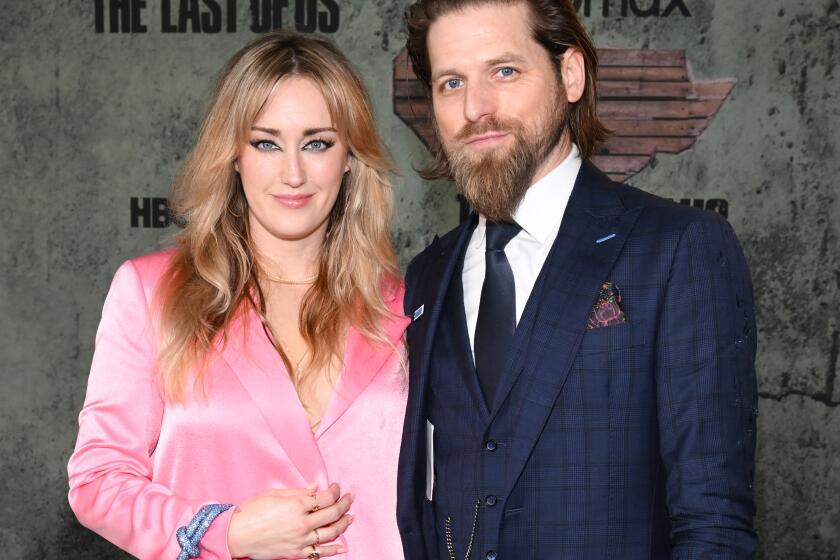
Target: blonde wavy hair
{"points": [[213, 275]]}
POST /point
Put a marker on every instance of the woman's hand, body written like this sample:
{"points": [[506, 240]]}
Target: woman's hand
{"points": [[283, 523]]}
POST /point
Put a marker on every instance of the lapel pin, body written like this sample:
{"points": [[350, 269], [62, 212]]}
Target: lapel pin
{"points": [[607, 238], [418, 312]]}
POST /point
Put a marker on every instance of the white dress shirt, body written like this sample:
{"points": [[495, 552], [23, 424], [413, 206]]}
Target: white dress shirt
{"points": [[539, 213]]}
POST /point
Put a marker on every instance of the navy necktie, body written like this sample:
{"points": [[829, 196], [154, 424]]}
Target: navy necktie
{"points": [[496, 310]]}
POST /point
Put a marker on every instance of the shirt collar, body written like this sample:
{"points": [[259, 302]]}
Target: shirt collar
{"points": [[550, 192]]}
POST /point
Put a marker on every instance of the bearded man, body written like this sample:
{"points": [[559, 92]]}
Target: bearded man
{"points": [[582, 381]]}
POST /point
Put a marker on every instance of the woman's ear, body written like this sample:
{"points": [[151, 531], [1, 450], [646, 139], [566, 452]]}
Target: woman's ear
{"points": [[573, 71], [236, 164]]}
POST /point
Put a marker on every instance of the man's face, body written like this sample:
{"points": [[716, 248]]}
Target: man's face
{"points": [[498, 104]]}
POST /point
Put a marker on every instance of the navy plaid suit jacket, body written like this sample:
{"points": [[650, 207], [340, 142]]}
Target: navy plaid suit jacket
{"points": [[630, 441]]}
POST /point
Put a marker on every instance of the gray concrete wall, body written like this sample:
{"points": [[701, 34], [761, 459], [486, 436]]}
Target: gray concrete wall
{"points": [[89, 120]]}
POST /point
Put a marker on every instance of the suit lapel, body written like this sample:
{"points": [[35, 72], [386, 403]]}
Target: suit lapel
{"points": [[363, 361], [429, 292], [594, 229], [254, 360], [461, 335]]}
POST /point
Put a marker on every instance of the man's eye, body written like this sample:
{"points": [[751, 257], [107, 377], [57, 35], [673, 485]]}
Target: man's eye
{"points": [[452, 84], [506, 72]]}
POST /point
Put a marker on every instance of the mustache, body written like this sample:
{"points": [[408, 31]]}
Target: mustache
{"points": [[490, 124]]}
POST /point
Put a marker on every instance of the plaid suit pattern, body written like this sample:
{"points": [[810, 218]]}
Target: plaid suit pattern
{"points": [[634, 440]]}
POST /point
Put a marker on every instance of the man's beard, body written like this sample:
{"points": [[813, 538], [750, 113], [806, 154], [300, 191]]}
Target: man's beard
{"points": [[493, 183]]}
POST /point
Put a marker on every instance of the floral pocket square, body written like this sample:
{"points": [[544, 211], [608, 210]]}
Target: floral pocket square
{"points": [[607, 310]]}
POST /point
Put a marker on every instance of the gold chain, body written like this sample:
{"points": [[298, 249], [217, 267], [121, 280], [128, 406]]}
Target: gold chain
{"points": [[291, 282], [450, 544]]}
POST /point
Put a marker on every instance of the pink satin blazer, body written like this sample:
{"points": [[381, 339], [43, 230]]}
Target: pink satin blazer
{"points": [[143, 467]]}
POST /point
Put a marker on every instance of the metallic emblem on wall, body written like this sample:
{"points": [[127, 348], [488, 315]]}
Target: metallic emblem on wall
{"points": [[647, 98]]}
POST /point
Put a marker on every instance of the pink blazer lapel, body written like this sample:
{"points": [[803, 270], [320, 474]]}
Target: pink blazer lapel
{"points": [[363, 361], [262, 373]]}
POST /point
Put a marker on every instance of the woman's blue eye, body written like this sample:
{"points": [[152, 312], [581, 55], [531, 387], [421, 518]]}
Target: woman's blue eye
{"points": [[264, 145], [318, 145]]}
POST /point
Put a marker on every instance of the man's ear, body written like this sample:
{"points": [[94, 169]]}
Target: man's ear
{"points": [[573, 71]]}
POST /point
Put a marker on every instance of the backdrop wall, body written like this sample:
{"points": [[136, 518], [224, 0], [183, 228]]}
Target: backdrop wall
{"points": [[100, 101]]}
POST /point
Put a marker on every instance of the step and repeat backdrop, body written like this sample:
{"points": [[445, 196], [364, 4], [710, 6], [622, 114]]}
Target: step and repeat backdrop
{"points": [[726, 106]]}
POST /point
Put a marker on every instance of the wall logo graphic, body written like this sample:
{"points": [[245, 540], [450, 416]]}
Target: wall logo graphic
{"points": [[647, 98], [653, 8], [214, 16], [148, 212]]}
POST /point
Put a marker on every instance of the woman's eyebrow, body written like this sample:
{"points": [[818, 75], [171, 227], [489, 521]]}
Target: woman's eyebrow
{"points": [[307, 132], [311, 131], [272, 131]]}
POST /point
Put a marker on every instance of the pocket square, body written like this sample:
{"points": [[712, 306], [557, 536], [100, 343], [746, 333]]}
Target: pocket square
{"points": [[607, 310]]}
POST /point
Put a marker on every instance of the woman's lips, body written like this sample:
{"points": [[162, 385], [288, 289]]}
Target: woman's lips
{"points": [[293, 200]]}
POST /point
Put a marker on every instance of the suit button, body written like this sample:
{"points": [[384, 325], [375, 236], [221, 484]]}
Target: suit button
{"points": [[491, 500], [491, 555], [490, 445]]}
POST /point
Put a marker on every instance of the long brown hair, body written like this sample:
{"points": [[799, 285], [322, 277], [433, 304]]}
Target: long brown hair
{"points": [[555, 25], [213, 275]]}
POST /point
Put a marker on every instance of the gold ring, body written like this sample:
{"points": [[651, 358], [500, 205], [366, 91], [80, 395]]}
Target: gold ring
{"points": [[317, 538], [316, 507], [314, 553]]}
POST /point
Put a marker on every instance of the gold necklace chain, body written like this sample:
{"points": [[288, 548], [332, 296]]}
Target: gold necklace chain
{"points": [[291, 282]]}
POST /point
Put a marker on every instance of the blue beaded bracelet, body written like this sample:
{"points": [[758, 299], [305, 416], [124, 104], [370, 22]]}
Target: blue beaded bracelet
{"points": [[189, 536]]}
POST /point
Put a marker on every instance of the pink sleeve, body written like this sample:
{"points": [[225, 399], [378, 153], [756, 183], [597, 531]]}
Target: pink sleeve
{"points": [[111, 488]]}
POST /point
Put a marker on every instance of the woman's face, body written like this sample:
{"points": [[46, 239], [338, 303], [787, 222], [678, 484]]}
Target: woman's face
{"points": [[292, 164]]}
